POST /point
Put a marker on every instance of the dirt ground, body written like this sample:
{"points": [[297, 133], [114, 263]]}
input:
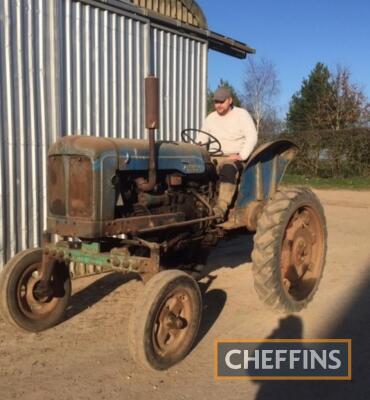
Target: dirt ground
{"points": [[87, 357]]}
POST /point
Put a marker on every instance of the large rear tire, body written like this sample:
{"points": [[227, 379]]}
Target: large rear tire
{"points": [[19, 304], [165, 320], [289, 249]]}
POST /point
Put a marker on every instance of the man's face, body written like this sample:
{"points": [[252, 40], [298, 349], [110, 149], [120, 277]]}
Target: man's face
{"points": [[223, 107]]}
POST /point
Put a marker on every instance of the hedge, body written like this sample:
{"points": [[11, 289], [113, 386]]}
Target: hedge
{"points": [[328, 153]]}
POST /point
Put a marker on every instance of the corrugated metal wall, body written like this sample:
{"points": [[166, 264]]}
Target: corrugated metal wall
{"points": [[181, 64], [66, 68], [104, 62], [28, 123]]}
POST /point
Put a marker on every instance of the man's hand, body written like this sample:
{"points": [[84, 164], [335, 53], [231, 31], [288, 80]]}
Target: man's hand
{"points": [[234, 157]]}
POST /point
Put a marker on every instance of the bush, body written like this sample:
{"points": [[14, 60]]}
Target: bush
{"points": [[328, 153]]}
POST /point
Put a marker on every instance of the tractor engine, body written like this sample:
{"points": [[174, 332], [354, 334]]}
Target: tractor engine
{"points": [[174, 192], [97, 187]]}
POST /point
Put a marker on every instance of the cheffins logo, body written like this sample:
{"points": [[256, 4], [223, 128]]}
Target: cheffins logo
{"points": [[284, 359]]}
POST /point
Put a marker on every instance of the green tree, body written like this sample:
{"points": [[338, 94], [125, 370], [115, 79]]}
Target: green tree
{"points": [[309, 108], [222, 83], [328, 101]]}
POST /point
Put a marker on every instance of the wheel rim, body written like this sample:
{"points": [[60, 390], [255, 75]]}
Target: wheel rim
{"points": [[29, 304], [302, 253], [170, 328]]}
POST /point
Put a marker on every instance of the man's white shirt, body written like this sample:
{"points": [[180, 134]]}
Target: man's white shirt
{"points": [[235, 131]]}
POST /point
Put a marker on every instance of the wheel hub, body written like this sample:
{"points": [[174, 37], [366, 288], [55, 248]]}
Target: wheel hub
{"points": [[29, 292], [42, 293], [300, 253], [175, 322], [172, 322], [33, 299]]}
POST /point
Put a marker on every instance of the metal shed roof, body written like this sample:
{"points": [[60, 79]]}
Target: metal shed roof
{"points": [[186, 11], [183, 16]]}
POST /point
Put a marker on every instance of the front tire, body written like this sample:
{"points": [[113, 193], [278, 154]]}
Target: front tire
{"points": [[289, 249], [19, 304], [165, 320]]}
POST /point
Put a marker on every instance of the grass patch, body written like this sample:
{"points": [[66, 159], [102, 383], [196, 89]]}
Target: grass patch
{"points": [[353, 183]]}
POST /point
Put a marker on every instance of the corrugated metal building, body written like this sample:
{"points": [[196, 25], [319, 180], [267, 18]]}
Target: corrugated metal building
{"points": [[78, 67]]}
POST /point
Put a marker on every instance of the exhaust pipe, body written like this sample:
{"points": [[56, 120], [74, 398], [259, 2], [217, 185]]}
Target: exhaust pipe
{"points": [[151, 123]]}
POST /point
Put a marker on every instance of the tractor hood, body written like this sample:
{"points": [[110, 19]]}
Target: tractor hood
{"points": [[133, 154]]}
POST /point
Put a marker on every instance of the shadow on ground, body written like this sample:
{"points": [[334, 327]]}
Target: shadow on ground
{"points": [[231, 253], [95, 292], [355, 325], [214, 301]]}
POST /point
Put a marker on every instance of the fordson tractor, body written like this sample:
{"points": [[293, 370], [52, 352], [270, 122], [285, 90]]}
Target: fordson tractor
{"points": [[134, 206]]}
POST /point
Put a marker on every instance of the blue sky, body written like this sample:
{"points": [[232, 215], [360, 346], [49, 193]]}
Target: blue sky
{"points": [[294, 35]]}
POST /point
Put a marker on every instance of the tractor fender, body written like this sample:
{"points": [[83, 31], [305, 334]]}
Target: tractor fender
{"points": [[264, 170]]}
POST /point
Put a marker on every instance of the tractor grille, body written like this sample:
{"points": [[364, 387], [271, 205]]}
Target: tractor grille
{"points": [[70, 186], [80, 187], [56, 186]]}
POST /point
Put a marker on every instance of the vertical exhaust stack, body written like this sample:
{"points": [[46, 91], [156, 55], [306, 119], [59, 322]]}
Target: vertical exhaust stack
{"points": [[151, 123]]}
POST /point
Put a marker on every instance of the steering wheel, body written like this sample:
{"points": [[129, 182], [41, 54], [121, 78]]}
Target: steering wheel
{"points": [[187, 138]]}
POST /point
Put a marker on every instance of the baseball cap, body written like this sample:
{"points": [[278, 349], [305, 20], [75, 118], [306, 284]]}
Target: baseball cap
{"points": [[221, 94]]}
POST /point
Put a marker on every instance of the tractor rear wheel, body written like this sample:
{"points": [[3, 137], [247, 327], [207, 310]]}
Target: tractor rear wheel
{"points": [[19, 303], [289, 249], [165, 320]]}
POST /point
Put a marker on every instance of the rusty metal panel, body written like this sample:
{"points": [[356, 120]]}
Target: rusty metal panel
{"points": [[56, 186], [180, 63], [151, 102], [80, 187]]}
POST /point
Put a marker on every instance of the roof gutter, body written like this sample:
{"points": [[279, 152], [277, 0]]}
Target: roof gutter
{"points": [[216, 41]]}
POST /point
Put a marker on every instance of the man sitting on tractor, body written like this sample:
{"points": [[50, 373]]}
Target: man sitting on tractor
{"points": [[235, 130]]}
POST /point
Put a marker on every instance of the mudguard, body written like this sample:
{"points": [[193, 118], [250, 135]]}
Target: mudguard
{"points": [[264, 171]]}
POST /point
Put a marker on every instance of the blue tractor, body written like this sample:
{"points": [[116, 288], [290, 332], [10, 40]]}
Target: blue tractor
{"points": [[146, 207]]}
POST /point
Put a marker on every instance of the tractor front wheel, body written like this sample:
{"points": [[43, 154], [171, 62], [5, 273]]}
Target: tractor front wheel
{"points": [[165, 320], [19, 303], [289, 249]]}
